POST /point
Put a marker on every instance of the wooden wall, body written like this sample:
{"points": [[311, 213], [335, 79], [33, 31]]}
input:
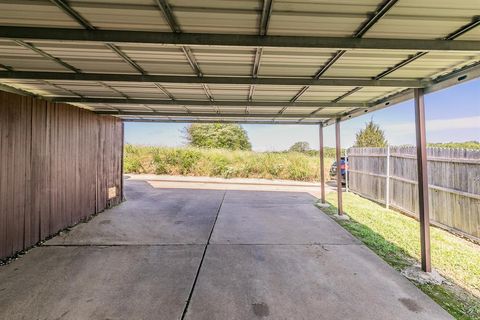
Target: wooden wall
{"points": [[453, 177], [56, 165]]}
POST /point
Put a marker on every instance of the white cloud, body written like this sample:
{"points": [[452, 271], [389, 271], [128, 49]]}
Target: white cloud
{"points": [[438, 125]]}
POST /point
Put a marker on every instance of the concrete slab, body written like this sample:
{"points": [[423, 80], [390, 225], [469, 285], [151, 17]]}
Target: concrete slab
{"points": [[256, 222], [265, 264], [304, 282], [150, 216], [268, 197], [147, 282]]}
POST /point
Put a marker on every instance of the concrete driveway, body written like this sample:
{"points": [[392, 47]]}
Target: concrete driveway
{"points": [[194, 250]]}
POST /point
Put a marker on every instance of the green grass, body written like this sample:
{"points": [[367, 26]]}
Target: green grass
{"points": [[396, 238], [222, 163]]}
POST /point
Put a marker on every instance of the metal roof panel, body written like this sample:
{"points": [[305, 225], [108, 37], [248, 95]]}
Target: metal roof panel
{"points": [[407, 19], [426, 19], [34, 13], [121, 14]]}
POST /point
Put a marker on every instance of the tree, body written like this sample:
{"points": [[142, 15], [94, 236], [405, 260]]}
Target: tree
{"points": [[218, 135], [371, 136], [300, 146]]}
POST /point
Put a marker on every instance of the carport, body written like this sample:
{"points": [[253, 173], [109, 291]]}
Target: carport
{"points": [[74, 71]]}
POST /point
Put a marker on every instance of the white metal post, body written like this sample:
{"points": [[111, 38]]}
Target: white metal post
{"points": [[387, 182]]}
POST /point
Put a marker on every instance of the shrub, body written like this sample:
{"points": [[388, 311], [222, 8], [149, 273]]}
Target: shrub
{"points": [[175, 161], [138, 159]]}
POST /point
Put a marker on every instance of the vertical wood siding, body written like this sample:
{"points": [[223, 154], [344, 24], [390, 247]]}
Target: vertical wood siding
{"points": [[57, 163], [453, 177]]}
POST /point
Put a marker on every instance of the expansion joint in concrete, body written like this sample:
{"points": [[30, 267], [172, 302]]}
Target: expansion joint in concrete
{"points": [[184, 313]]}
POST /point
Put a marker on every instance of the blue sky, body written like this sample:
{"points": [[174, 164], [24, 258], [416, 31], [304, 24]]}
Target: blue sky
{"points": [[453, 115]]}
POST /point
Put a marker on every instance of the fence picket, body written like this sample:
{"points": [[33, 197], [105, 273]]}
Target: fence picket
{"points": [[389, 176]]}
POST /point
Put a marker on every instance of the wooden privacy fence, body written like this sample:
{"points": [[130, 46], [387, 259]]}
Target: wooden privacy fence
{"points": [[57, 166], [389, 176]]}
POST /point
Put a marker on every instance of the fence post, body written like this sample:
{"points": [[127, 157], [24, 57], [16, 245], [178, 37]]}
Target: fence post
{"points": [[387, 182], [346, 170], [338, 153]]}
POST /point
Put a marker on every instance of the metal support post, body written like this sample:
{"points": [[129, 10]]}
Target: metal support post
{"points": [[422, 180]]}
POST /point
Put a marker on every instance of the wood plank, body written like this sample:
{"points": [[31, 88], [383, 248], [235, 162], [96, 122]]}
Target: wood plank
{"points": [[56, 164], [454, 192], [3, 173]]}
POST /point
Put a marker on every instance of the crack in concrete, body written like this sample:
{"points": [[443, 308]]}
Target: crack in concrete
{"points": [[184, 313]]}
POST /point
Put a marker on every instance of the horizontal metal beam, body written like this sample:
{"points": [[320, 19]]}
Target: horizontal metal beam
{"points": [[161, 120], [446, 81], [340, 82], [458, 76], [207, 39], [207, 115], [219, 103]]}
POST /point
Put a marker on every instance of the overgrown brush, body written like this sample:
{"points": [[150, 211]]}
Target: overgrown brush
{"points": [[222, 163]]}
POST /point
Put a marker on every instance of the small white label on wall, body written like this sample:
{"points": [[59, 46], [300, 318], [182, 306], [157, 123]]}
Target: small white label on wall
{"points": [[112, 192]]}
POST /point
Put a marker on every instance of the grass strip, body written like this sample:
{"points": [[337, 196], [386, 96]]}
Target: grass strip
{"points": [[396, 239]]}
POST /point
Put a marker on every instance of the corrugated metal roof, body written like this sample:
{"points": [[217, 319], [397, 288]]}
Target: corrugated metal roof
{"points": [[292, 62], [425, 19], [407, 19], [366, 63], [311, 18], [324, 94], [34, 13], [434, 64], [213, 16]]}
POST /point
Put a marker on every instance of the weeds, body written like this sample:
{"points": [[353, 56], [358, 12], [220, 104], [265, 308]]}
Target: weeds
{"points": [[222, 163]]}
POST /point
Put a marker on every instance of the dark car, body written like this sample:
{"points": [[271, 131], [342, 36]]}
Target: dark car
{"points": [[343, 167]]}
